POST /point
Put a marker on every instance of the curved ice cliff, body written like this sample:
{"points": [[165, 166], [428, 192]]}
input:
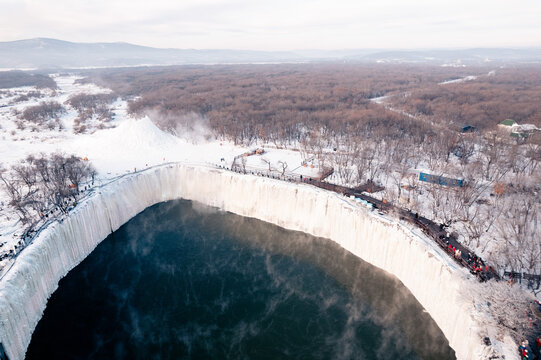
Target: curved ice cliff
{"points": [[24, 290]]}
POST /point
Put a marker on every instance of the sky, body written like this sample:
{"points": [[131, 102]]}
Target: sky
{"points": [[278, 24]]}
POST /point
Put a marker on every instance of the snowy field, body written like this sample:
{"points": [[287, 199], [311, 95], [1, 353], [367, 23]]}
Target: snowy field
{"points": [[126, 145]]}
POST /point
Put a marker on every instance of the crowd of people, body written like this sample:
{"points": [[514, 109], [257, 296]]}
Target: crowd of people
{"points": [[457, 253], [477, 264], [526, 352]]}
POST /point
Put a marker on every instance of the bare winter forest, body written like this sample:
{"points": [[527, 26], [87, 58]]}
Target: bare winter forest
{"points": [[383, 124], [11, 79], [41, 181]]}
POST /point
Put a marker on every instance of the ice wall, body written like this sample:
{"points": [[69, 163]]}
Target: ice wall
{"points": [[26, 287]]}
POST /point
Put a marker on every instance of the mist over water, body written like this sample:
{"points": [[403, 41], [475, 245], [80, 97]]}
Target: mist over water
{"points": [[183, 280]]}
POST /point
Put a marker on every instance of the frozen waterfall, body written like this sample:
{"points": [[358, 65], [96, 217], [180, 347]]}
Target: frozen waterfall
{"points": [[24, 290]]}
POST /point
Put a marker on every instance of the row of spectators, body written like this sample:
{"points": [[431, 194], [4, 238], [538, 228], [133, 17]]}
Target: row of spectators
{"points": [[526, 352]]}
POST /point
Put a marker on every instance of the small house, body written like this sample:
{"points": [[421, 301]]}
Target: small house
{"points": [[509, 123]]}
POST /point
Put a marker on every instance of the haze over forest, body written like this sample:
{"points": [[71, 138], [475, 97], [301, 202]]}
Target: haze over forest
{"points": [[42, 53]]}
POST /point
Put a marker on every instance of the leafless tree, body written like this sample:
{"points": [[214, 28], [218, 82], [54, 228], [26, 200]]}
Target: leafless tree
{"points": [[283, 169], [343, 166], [400, 168], [519, 228], [43, 182], [17, 195], [507, 304], [268, 162], [369, 162], [491, 155]]}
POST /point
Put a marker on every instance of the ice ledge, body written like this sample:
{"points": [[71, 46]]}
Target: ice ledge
{"points": [[24, 290]]}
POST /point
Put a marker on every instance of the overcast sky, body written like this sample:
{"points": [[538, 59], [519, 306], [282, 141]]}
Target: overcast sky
{"points": [[278, 24]]}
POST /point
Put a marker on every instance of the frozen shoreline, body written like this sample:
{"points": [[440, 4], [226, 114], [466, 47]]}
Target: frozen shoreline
{"points": [[24, 290]]}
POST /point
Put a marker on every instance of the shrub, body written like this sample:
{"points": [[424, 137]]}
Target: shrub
{"points": [[42, 113]]}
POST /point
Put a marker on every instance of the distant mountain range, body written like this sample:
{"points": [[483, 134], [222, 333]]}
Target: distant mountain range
{"points": [[43, 53]]}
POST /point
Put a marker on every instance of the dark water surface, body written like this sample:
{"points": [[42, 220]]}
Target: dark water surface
{"points": [[182, 280]]}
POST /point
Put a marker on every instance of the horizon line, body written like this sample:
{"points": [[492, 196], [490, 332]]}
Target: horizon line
{"points": [[451, 48]]}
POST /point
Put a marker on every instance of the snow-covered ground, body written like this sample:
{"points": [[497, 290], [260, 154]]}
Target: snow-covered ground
{"points": [[128, 145], [483, 225], [131, 143], [132, 155], [454, 81]]}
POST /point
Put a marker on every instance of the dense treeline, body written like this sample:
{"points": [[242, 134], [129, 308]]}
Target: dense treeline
{"points": [[11, 79], [484, 102], [279, 103], [286, 102], [325, 111]]}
